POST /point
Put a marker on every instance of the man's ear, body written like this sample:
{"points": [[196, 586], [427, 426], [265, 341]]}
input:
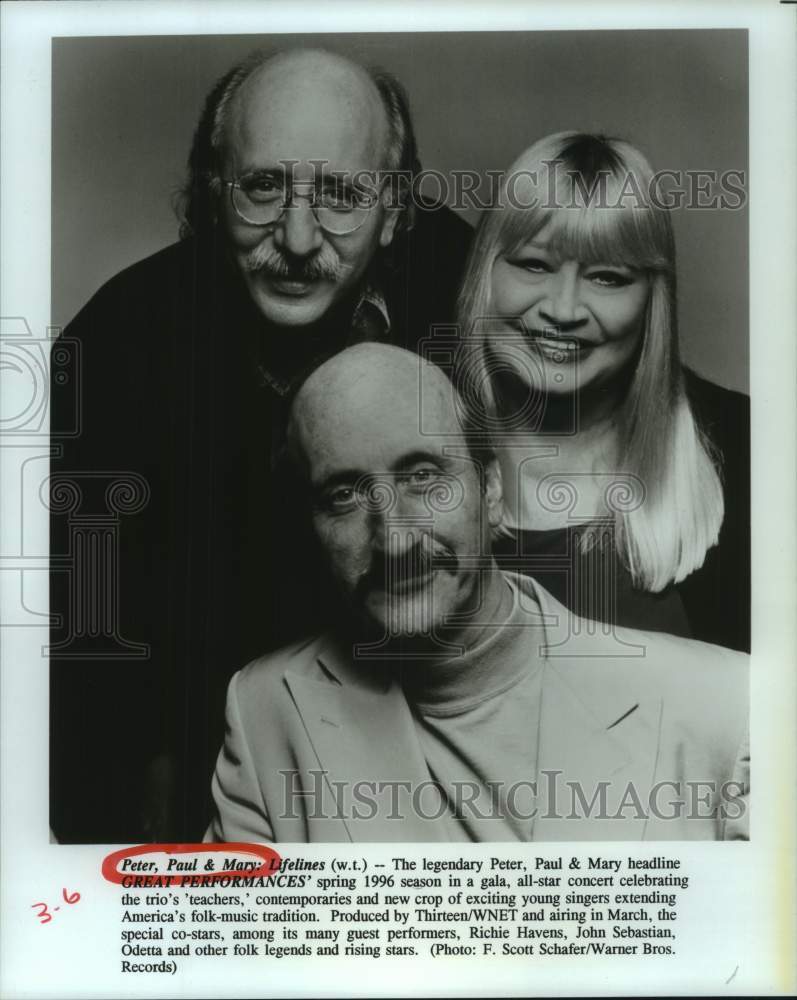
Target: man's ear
{"points": [[493, 493], [389, 223]]}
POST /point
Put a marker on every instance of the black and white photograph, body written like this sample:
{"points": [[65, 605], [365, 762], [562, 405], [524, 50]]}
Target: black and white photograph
{"points": [[398, 487], [433, 412]]}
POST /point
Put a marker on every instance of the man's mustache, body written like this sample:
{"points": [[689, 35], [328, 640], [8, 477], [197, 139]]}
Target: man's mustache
{"points": [[388, 570], [266, 258]]}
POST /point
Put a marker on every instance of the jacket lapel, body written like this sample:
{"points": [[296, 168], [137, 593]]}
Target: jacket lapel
{"points": [[594, 775], [599, 735], [364, 738]]}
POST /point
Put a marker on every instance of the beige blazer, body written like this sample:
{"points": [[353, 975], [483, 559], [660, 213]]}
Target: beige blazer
{"points": [[651, 728]]}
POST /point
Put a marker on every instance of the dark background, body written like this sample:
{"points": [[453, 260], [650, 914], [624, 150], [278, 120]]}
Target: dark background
{"points": [[133, 742], [124, 110]]}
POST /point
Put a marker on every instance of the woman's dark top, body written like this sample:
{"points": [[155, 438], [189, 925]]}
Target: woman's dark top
{"points": [[713, 603]]}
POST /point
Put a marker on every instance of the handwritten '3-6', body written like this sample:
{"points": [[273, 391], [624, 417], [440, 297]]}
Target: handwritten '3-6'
{"points": [[44, 914]]}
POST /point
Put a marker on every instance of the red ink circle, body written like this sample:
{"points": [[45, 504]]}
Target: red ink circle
{"points": [[110, 871]]}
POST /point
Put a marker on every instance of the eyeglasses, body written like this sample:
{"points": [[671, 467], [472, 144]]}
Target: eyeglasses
{"points": [[261, 199]]}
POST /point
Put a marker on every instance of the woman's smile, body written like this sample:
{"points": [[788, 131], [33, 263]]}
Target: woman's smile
{"points": [[570, 312]]}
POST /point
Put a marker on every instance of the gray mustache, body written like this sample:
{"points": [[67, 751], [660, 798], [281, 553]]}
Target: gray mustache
{"points": [[415, 562], [325, 264]]}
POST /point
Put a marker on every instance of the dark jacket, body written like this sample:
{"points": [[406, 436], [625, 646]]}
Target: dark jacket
{"points": [[717, 596], [200, 574], [713, 603]]}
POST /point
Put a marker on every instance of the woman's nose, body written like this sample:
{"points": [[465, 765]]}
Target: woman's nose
{"points": [[562, 306]]}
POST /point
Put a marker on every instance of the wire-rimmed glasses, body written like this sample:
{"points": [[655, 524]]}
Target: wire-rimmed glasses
{"points": [[339, 208]]}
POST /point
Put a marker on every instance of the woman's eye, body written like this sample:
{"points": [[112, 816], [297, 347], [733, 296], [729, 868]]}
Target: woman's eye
{"points": [[610, 279], [533, 264]]}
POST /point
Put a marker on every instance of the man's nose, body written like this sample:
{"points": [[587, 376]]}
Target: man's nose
{"points": [[298, 231], [396, 526], [562, 306]]}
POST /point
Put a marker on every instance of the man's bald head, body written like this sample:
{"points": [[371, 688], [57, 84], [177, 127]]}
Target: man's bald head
{"points": [[382, 389], [308, 88], [311, 73]]}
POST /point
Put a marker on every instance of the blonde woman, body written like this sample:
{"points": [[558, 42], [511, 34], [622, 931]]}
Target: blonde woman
{"points": [[626, 476]]}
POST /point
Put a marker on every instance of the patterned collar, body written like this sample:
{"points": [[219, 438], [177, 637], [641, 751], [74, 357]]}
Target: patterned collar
{"points": [[373, 299], [370, 322]]}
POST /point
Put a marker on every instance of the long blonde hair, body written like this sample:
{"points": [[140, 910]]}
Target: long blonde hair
{"points": [[582, 186]]}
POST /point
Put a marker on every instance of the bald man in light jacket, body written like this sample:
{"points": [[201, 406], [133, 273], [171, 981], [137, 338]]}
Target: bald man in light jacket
{"points": [[455, 702]]}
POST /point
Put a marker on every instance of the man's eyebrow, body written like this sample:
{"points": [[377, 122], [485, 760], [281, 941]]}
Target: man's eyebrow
{"points": [[282, 170], [352, 475], [337, 479], [258, 170], [417, 456]]}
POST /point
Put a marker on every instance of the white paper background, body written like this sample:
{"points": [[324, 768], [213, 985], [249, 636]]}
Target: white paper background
{"points": [[738, 920]]}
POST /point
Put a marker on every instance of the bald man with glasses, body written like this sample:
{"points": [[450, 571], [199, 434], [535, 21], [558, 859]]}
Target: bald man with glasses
{"points": [[296, 242]]}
